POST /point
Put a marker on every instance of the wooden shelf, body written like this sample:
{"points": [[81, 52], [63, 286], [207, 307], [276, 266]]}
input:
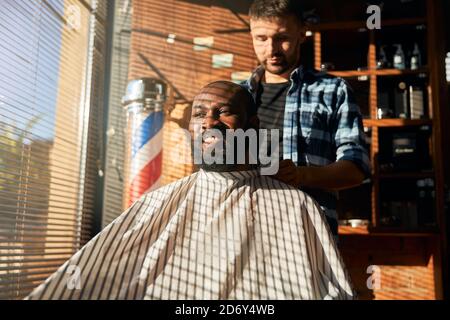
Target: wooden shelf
{"points": [[397, 72], [383, 232], [348, 230], [345, 25], [350, 73], [378, 72], [396, 122], [407, 175]]}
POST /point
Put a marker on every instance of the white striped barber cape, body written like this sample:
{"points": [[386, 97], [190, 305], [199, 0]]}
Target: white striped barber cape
{"points": [[234, 235]]}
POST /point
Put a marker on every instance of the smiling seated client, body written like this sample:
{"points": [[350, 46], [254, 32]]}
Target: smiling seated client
{"points": [[224, 232]]}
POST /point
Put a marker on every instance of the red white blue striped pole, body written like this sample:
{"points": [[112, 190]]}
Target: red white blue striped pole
{"points": [[144, 103]]}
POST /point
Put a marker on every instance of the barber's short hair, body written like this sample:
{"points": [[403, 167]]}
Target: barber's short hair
{"points": [[267, 9]]}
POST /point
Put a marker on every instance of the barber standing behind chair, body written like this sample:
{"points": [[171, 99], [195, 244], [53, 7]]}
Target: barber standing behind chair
{"points": [[320, 125]]}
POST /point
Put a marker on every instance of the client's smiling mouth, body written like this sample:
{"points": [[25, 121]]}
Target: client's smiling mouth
{"points": [[210, 141]]}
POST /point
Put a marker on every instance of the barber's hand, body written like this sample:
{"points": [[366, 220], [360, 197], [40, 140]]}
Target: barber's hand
{"points": [[289, 173]]}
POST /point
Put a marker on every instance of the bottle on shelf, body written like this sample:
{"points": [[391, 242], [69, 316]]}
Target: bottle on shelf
{"points": [[416, 102], [382, 61], [384, 103], [421, 201], [412, 217], [432, 194], [399, 58], [401, 101], [426, 202], [416, 58]]}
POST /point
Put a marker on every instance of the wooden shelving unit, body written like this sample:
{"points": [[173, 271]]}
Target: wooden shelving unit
{"points": [[433, 239], [377, 72], [373, 73], [362, 24], [396, 122], [407, 175], [384, 232]]}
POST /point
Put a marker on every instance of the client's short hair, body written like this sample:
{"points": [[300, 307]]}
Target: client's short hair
{"points": [[244, 96]]}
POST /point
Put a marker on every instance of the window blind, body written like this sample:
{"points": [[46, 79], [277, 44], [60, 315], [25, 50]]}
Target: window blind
{"points": [[51, 83]]}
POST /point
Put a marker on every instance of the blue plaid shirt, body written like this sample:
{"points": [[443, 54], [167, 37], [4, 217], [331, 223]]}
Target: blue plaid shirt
{"points": [[322, 125]]}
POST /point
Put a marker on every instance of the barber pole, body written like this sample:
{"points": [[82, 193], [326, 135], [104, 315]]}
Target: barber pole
{"points": [[144, 102]]}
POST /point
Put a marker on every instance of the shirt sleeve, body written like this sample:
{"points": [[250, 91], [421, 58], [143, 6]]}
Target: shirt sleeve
{"points": [[349, 134]]}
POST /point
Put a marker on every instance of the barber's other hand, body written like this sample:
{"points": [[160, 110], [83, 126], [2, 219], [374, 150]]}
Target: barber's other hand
{"points": [[289, 173]]}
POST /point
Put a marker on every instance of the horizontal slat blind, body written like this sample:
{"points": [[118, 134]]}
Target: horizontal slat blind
{"points": [[48, 175]]}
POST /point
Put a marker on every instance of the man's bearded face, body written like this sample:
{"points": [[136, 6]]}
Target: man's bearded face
{"points": [[277, 43], [217, 107]]}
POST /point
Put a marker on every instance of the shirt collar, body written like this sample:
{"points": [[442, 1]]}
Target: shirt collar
{"points": [[255, 79]]}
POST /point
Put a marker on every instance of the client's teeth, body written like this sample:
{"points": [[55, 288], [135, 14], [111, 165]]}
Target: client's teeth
{"points": [[210, 140]]}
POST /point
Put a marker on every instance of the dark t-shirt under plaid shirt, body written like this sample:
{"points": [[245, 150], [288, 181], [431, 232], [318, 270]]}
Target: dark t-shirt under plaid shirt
{"points": [[271, 99], [322, 124]]}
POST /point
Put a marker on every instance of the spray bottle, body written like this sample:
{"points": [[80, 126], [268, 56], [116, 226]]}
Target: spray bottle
{"points": [[399, 58]]}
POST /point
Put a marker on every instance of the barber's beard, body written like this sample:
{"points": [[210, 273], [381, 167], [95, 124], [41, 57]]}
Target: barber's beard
{"points": [[285, 65], [277, 69]]}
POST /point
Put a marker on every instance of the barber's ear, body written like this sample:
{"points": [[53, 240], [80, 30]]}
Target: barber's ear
{"points": [[253, 122]]}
